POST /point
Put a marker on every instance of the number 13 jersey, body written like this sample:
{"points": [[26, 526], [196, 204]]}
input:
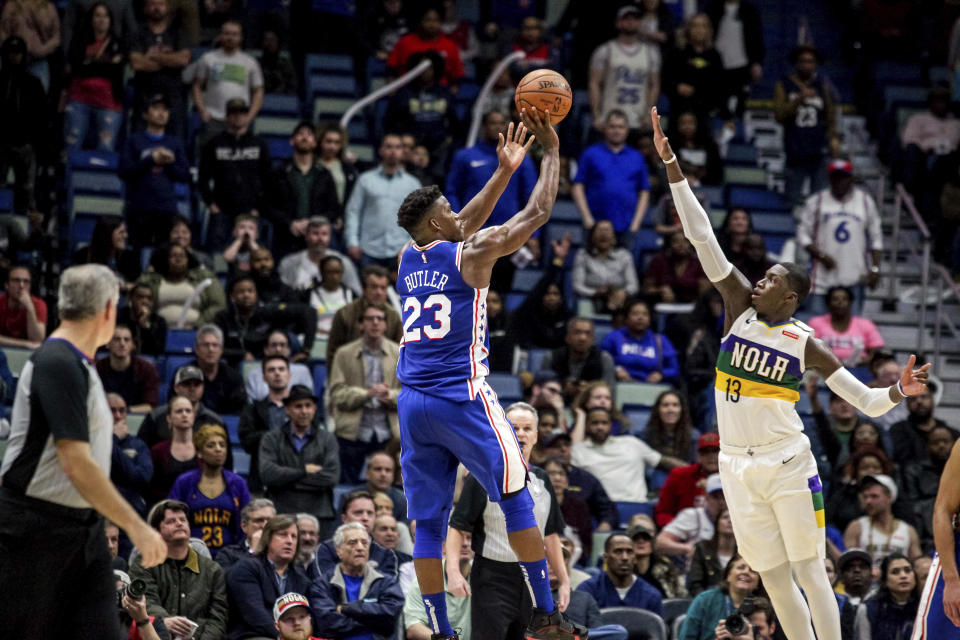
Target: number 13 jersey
{"points": [[758, 380], [444, 347]]}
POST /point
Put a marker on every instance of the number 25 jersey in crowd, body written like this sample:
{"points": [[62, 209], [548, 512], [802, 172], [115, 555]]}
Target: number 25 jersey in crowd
{"points": [[758, 380], [444, 347]]}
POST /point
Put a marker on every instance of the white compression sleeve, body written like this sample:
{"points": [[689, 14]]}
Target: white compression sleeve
{"points": [[873, 402], [697, 229]]}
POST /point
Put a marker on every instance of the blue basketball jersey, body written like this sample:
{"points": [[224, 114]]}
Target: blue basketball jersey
{"points": [[444, 347]]}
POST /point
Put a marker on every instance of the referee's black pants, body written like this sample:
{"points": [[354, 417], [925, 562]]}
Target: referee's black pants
{"points": [[55, 575], [501, 604]]}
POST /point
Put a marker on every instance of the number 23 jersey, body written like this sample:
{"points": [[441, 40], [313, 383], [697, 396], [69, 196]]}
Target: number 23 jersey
{"points": [[444, 347], [758, 380]]}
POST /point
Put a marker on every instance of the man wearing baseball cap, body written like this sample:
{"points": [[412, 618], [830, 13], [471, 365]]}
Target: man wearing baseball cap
{"points": [[188, 382], [838, 226], [878, 532], [693, 524], [685, 486], [300, 461], [292, 617]]}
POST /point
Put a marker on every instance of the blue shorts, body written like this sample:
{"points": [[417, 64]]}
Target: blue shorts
{"points": [[436, 434], [932, 623]]}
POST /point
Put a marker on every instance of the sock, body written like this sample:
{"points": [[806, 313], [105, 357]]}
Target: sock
{"points": [[436, 606], [535, 575]]}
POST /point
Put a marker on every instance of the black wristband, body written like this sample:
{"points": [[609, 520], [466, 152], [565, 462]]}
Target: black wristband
{"points": [[143, 623]]}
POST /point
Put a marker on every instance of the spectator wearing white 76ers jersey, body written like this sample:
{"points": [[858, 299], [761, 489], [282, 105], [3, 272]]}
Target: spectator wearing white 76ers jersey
{"points": [[837, 227]]}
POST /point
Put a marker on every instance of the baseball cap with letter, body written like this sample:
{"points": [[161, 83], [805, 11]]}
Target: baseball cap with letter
{"points": [[288, 602]]}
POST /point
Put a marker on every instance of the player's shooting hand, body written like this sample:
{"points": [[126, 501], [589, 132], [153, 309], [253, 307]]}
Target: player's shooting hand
{"points": [[951, 601], [512, 149], [660, 141], [914, 381], [153, 550], [538, 122]]}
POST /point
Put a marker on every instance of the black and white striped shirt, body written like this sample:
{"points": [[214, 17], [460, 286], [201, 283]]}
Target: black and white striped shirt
{"points": [[59, 397], [485, 520]]}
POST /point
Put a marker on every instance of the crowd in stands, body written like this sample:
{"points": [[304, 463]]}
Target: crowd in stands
{"points": [[252, 372]]}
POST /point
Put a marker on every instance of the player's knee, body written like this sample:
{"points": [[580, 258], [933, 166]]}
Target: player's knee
{"points": [[517, 510], [429, 540]]}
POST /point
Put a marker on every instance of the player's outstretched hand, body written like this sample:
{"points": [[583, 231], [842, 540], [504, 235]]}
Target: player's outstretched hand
{"points": [[512, 149], [538, 122], [914, 381], [660, 141]]}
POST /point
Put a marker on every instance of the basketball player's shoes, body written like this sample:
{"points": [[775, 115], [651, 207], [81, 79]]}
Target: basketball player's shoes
{"points": [[553, 626]]}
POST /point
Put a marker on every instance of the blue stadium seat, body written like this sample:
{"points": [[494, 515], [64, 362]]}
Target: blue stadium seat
{"points": [[638, 421], [329, 85], [233, 427], [6, 199], [280, 148], [96, 182], [628, 509], [93, 160], [535, 358], [170, 368], [241, 463], [741, 153], [278, 104], [321, 64], [556, 231], [765, 222], [525, 279], [754, 198], [181, 340], [565, 211], [514, 300], [319, 378], [507, 386]]}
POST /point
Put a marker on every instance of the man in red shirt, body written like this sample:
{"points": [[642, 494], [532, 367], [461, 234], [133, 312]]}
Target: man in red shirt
{"points": [[685, 486], [428, 37], [23, 318]]}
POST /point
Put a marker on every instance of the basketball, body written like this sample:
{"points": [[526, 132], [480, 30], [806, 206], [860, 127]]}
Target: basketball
{"points": [[547, 90]]}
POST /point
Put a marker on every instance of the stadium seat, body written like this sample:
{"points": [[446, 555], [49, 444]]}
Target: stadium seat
{"points": [[276, 125], [319, 378], [741, 153], [279, 104], [232, 423], [673, 608], [6, 200], [638, 421], [535, 358], [745, 175], [95, 160], [770, 222], [181, 340], [556, 231], [678, 626], [751, 198], [525, 279], [629, 509], [319, 351], [134, 420], [639, 623], [340, 492], [507, 386], [241, 463], [565, 211], [514, 300], [173, 363], [639, 393], [319, 64]]}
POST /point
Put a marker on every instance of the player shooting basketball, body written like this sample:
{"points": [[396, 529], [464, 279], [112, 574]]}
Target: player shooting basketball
{"points": [[448, 412], [767, 470]]}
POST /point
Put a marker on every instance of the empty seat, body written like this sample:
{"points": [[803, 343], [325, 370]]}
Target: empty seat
{"points": [[639, 393], [181, 340], [639, 623], [629, 509], [241, 463], [765, 222], [6, 199], [506, 385], [233, 428], [525, 279]]}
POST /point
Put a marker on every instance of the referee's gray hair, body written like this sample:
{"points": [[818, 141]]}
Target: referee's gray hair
{"points": [[255, 505], [211, 329], [308, 516], [341, 532], [85, 291], [523, 406]]}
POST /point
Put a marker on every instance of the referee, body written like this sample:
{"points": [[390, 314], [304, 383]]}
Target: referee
{"points": [[500, 603], [55, 573]]}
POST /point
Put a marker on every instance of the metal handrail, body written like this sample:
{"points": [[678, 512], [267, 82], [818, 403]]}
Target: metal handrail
{"points": [[943, 277], [903, 200], [477, 116], [386, 89]]}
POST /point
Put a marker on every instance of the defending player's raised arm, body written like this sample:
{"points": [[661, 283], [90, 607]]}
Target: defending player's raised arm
{"points": [[483, 248], [871, 401], [729, 281], [510, 153]]}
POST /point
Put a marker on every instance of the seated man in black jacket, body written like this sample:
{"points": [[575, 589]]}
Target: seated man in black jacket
{"points": [[356, 598], [580, 361], [253, 584], [246, 323]]}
